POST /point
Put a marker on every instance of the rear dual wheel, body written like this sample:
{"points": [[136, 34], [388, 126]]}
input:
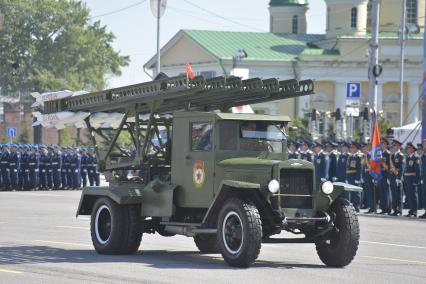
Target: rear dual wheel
{"points": [[115, 229]]}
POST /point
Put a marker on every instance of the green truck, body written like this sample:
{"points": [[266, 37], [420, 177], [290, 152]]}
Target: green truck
{"points": [[221, 178]]}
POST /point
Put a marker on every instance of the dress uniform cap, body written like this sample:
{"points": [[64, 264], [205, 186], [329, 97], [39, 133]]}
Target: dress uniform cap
{"points": [[385, 140], [409, 144], [394, 141], [353, 143]]}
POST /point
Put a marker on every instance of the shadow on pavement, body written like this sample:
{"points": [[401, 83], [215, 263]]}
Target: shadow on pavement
{"points": [[15, 255]]}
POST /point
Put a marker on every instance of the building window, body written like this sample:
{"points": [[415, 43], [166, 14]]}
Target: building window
{"points": [[412, 11], [295, 26], [354, 17]]}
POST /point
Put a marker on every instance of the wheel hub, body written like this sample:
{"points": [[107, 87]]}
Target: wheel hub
{"points": [[232, 232], [103, 224]]}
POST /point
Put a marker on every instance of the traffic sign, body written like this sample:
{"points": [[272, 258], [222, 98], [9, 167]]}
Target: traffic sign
{"points": [[353, 90], [11, 131]]}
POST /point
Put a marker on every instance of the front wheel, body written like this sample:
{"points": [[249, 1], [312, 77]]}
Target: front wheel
{"points": [[239, 232], [342, 242]]}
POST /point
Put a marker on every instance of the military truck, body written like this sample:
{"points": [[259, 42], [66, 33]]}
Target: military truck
{"points": [[219, 177]]}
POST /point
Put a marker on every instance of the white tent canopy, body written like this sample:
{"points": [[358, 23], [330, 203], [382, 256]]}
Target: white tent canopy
{"points": [[409, 133]]}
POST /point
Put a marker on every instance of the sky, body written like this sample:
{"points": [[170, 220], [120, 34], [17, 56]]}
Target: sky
{"points": [[135, 27]]}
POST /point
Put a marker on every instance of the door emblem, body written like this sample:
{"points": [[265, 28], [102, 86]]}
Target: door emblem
{"points": [[198, 174]]}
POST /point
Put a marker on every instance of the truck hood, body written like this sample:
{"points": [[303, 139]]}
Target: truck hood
{"points": [[248, 161]]}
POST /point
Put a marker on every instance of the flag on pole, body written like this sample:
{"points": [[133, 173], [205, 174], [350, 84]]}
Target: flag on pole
{"points": [[376, 150], [189, 72]]}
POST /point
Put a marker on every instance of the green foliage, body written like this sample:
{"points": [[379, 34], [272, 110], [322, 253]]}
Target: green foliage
{"points": [[24, 138], [383, 126], [65, 137], [302, 129], [52, 45]]}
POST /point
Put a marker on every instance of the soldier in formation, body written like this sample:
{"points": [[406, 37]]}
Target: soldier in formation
{"points": [[403, 173], [39, 167]]}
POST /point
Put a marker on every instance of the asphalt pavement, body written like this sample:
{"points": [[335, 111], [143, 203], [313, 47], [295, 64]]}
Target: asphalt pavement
{"points": [[41, 241]]}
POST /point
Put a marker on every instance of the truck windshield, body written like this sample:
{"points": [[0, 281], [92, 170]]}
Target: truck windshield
{"points": [[261, 136]]}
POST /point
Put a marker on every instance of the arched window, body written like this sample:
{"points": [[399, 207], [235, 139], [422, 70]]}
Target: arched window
{"points": [[354, 17], [295, 25], [411, 11]]}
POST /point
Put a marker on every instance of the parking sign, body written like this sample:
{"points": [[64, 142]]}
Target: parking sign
{"points": [[11, 131], [353, 90]]}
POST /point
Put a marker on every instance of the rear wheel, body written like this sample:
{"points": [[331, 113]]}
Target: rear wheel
{"points": [[342, 242], [239, 232], [115, 229], [207, 243]]}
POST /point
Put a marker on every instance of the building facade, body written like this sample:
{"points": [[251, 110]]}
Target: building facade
{"points": [[332, 59]]}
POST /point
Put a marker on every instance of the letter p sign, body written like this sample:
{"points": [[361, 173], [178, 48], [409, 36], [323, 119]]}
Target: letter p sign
{"points": [[353, 90]]}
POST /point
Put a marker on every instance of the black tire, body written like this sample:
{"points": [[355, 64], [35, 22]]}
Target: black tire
{"points": [[239, 232], [207, 243], [115, 229], [343, 241]]}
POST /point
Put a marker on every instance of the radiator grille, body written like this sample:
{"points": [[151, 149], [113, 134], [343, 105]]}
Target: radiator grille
{"points": [[296, 182]]}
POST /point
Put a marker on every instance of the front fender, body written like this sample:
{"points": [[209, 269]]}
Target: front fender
{"points": [[324, 201]]}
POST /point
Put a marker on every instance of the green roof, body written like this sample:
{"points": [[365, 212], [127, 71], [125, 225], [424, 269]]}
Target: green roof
{"points": [[273, 3], [259, 46]]}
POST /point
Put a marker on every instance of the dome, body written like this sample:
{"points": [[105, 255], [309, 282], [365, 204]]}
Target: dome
{"points": [[276, 3]]}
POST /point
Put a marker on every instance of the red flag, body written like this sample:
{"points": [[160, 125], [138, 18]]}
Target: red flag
{"points": [[376, 151], [189, 72]]}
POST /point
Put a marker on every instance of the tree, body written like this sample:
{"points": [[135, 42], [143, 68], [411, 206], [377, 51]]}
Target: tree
{"points": [[65, 138], [24, 138], [302, 129], [51, 45]]}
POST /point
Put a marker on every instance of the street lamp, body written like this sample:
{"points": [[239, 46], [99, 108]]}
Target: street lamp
{"points": [[241, 53]]}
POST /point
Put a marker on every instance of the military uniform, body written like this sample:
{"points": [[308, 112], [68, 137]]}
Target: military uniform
{"points": [[92, 165], [395, 176], [84, 168], [75, 166], [341, 167], [33, 168], [321, 167], [368, 185], [14, 167], [44, 164], [333, 156], [385, 192], [411, 180], [23, 173], [56, 166], [353, 175], [4, 168], [64, 169], [49, 172]]}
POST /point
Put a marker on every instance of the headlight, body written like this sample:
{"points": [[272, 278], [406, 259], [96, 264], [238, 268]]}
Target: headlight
{"points": [[327, 187], [273, 186]]}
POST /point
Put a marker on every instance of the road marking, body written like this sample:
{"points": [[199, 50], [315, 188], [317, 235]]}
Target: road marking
{"points": [[393, 245], [35, 194], [63, 243], [71, 227], [10, 271], [396, 259]]}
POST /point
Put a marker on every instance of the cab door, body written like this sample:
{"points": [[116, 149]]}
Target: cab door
{"points": [[193, 161]]}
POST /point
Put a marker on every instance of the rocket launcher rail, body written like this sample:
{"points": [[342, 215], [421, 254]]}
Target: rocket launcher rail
{"points": [[146, 110], [178, 93]]}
